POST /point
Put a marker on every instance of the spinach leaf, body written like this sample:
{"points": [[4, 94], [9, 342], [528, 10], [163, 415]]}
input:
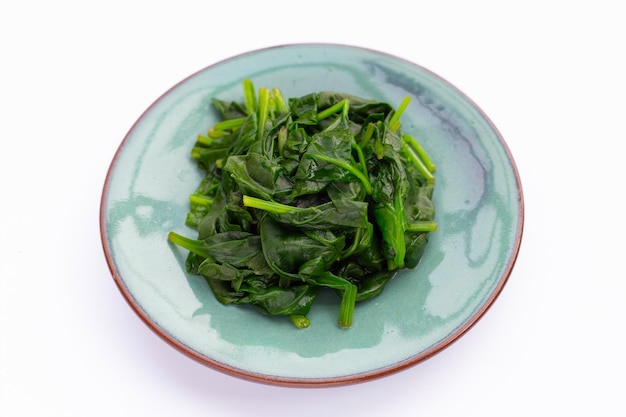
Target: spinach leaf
{"points": [[297, 254], [229, 110], [259, 176], [328, 158], [277, 301]]}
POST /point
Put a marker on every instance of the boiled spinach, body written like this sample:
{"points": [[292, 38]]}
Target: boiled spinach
{"points": [[319, 191]]}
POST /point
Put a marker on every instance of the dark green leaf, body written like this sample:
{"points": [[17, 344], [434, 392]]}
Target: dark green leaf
{"points": [[258, 176]]}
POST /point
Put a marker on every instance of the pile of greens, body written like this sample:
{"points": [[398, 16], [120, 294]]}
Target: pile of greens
{"points": [[318, 191]]}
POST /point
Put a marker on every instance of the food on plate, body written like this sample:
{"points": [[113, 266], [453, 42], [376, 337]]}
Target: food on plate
{"points": [[319, 191]]}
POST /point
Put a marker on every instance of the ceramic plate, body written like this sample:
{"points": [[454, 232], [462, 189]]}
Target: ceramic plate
{"points": [[478, 199]]}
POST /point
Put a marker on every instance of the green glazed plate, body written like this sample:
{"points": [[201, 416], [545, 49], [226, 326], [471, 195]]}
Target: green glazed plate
{"points": [[478, 198]]}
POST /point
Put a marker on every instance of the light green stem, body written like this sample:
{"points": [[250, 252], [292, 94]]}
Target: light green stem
{"points": [[422, 226], [342, 105], [395, 118], [270, 206], [250, 96], [346, 308], [280, 104], [359, 153], [229, 124], [420, 151], [204, 140], [281, 139], [419, 164], [367, 135], [264, 100], [200, 200], [301, 322]]}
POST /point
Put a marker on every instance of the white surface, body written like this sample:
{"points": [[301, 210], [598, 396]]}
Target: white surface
{"points": [[76, 75]]}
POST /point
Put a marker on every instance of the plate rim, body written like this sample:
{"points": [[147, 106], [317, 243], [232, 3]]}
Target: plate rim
{"points": [[300, 382]]}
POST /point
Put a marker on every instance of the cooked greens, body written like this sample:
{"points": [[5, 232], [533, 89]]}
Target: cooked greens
{"points": [[323, 190]]}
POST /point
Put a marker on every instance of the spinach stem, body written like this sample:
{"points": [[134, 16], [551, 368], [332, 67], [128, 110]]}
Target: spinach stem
{"points": [[420, 151], [367, 135], [200, 200], [192, 245], [358, 233], [359, 153], [348, 299], [422, 226], [334, 124], [229, 124], [270, 206], [346, 107], [281, 139], [250, 96], [215, 134], [352, 170], [342, 105], [280, 104], [196, 153], [395, 118], [379, 149], [400, 228], [264, 100], [419, 164], [204, 140], [301, 322], [346, 308]]}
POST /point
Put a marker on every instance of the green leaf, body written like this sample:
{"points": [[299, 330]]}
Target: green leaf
{"points": [[295, 254], [259, 176], [291, 302], [327, 158]]}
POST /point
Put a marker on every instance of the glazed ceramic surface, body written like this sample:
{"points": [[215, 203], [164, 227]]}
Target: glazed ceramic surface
{"points": [[479, 209]]}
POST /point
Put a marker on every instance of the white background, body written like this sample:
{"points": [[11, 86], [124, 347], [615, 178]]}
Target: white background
{"points": [[74, 76]]}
